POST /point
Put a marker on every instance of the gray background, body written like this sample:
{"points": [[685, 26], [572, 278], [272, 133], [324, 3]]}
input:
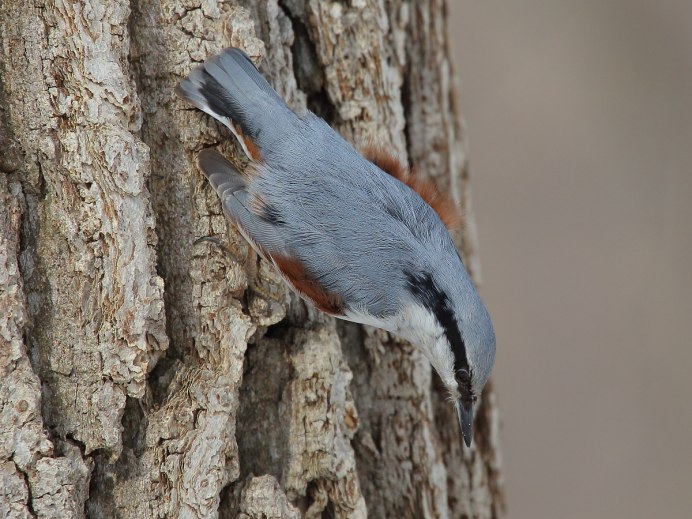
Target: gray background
{"points": [[579, 119]]}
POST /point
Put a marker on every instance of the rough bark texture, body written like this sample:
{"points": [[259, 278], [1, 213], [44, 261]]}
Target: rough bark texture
{"points": [[220, 395]]}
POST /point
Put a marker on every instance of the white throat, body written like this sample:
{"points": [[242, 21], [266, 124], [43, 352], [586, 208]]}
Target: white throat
{"points": [[417, 325]]}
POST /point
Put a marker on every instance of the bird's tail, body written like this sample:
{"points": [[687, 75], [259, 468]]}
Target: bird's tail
{"points": [[231, 89]]}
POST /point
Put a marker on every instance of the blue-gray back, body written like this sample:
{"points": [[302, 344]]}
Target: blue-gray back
{"points": [[349, 222]]}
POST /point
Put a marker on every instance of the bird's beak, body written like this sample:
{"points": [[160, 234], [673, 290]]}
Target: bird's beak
{"points": [[465, 414]]}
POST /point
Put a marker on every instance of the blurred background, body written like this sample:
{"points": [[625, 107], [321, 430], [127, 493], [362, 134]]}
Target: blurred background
{"points": [[579, 119]]}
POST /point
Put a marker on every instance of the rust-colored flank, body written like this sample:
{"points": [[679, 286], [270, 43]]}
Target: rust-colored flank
{"points": [[294, 271], [253, 149], [441, 204], [250, 145]]}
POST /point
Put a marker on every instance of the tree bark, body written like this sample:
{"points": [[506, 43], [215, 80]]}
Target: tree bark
{"points": [[146, 373]]}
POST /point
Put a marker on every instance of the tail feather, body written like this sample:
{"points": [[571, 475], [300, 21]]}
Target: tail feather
{"points": [[229, 88], [231, 58]]}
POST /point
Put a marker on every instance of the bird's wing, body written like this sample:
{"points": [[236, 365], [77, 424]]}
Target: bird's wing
{"points": [[237, 202], [259, 223]]}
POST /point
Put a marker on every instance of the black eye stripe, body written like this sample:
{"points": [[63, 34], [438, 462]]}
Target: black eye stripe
{"points": [[435, 300]]}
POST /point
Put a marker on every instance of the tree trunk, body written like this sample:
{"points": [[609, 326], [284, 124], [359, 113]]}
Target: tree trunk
{"points": [[149, 374]]}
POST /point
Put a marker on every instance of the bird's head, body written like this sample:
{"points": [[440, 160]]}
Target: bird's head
{"points": [[454, 330]]}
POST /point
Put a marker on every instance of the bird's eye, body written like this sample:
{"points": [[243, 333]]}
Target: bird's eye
{"points": [[462, 377]]}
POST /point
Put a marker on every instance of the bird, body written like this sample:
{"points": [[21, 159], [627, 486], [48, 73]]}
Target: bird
{"points": [[357, 235]]}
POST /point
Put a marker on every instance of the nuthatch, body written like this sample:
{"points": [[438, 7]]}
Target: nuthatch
{"points": [[358, 237]]}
